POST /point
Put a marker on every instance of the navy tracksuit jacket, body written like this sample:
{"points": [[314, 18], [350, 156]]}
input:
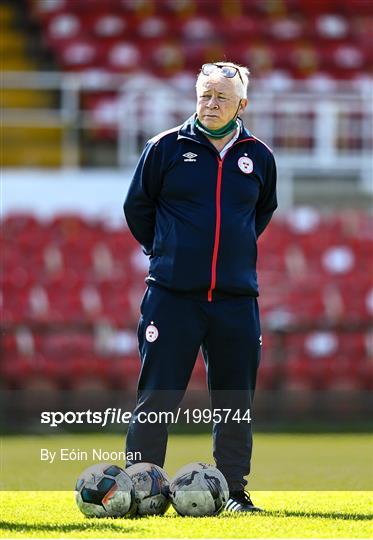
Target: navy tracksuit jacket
{"points": [[198, 217]]}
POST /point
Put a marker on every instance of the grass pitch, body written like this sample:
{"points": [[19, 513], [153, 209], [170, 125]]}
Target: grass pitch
{"points": [[311, 460], [289, 514]]}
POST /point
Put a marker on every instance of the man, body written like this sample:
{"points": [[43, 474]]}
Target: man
{"points": [[201, 195]]}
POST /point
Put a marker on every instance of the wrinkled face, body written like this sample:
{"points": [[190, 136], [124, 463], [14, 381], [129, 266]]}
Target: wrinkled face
{"points": [[217, 102]]}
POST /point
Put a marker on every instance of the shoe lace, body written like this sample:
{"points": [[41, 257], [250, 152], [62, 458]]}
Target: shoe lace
{"points": [[243, 496], [246, 497]]}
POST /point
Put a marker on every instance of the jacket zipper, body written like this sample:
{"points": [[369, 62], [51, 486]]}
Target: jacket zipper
{"points": [[218, 221], [217, 230]]}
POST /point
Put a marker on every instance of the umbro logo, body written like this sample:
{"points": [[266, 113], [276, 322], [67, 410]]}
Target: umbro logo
{"points": [[189, 156]]}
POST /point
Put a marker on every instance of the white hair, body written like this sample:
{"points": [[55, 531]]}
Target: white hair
{"points": [[240, 86]]}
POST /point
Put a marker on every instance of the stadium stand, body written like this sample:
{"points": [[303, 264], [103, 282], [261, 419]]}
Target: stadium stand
{"points": [[99, 54], [302, 37], [318, 43], [72, 286]]}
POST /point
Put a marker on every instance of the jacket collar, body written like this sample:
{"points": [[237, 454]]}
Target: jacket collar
{"points": [[189, 131]]}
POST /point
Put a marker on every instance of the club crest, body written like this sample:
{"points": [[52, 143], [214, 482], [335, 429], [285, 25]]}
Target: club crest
{"points": [[246, 164], [151, 332]]}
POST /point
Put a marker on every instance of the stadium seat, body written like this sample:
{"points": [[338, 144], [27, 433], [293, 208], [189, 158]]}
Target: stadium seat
{"points": [[63, 26], [69, 273], [107, 25], [314, 34], [123, 56], [15, 371], [155, 28], [122, 373]]}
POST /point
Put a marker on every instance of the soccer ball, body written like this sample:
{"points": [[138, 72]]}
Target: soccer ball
{"points": [[199, 489], [151, 485], [105, 490]]}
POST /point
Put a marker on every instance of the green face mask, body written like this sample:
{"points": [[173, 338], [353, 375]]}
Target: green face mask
{"points": [[216, 133], [221, 132]]}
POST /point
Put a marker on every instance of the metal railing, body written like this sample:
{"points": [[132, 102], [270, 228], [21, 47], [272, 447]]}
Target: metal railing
{"points": [[309, 131]]}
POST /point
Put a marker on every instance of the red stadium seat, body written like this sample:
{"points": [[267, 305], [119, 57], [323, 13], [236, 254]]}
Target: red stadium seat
{"points": [[286, 28], [300, 37], [318, 42], [15, 371], [236, 29], [63, 26], [331, 26], [122, 373], [123, 56], [43, 10], [106, 25], [72, 271], [155, 28], [365, 374], [198, 379], [16, 223]]}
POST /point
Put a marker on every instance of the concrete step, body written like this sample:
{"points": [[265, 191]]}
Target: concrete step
{"points": [[17, 63], [6, 15], [12, 43], [332, 193], [16, 98], [31, 155], [19, 135]]}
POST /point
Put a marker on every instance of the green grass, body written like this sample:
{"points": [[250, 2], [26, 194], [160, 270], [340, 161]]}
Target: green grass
{"points": [[289, 514], [317, 486], [293, 462]]}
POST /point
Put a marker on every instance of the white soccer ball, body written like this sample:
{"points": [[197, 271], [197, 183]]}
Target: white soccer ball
{"points": [[199, 489], [105, 490], [151, 485]]}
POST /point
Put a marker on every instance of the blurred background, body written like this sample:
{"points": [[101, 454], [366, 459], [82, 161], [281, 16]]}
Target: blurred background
{"points": [[84, 84]]}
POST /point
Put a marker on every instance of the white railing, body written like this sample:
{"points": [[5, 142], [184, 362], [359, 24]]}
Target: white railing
{"points": [[310, 132]]}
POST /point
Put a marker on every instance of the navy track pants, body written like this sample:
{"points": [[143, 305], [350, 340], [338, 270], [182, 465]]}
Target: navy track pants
{"points": [[171, 330]]}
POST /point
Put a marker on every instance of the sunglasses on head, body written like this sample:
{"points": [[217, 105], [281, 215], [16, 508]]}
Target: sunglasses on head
{"points": [[227, 71]]}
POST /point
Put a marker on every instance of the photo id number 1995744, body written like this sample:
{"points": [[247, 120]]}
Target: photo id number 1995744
{"points": [[217, 416]]}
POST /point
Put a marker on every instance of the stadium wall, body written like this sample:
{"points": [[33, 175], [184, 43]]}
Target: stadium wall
{"points": [[46, 192]]}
